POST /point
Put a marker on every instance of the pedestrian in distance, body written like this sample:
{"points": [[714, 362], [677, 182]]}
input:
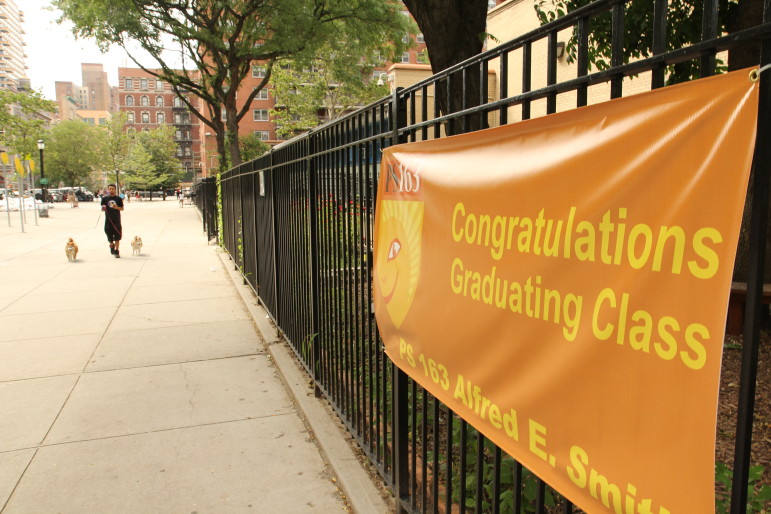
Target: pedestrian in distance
{"points": [[112, 205]]}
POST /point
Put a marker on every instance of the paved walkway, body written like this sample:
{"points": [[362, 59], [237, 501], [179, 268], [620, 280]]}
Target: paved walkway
{"points": [[140, 384]]}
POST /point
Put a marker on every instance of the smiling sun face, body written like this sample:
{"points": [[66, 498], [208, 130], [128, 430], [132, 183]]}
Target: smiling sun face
{"points": [[397, 260]]}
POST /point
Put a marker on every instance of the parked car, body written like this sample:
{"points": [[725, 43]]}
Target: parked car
{"points": [[54, 194]]}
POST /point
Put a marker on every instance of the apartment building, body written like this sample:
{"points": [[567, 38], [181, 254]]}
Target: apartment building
{"points": [[150, 103], [98, 97], [12, 56]]}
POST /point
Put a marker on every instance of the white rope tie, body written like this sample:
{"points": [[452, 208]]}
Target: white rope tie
{"points": [[755, 74]]}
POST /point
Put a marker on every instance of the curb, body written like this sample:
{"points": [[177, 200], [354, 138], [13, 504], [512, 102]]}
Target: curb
{"points": [[331, 437]]}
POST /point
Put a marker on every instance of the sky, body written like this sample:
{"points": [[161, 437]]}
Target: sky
{"points": [[53, 54]]}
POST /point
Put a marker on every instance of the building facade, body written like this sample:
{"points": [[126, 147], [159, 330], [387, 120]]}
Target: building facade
{"points": [[12, 56], [149, 103], [97, 89]]}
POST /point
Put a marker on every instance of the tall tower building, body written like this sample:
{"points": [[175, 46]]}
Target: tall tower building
{"points": [[12, 56], [98, 90]]}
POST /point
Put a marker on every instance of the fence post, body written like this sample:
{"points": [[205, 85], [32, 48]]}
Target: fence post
{"points": [[400, 385], [272, 182], [758, 227], [313, 193]]}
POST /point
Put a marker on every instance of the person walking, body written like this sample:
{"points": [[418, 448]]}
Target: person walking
{"points": [[112, 205]]}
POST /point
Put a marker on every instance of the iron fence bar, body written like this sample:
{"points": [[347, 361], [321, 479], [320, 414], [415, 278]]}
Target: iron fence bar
{"points": [[582, 37], [751, 330], [551, 72], [313, 226], [424, 451], [517, 487], [709, 30], [497, 457], [448, 459], [463, 443], [659, 46], [617, 49], [480, 466], [435, 463], [504, 88], [527, 62], [540, 496], [400, 422]]}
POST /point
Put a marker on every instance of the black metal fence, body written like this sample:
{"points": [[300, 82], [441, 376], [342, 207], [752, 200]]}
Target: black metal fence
{"points": [[299, 224], [205, 198]]}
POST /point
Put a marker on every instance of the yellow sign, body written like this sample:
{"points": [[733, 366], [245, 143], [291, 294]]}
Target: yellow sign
{"points": [[4, 157], [562, 284], [19, 167]]}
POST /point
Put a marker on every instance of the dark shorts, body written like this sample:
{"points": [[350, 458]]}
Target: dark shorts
{"points": [[113, 233]]}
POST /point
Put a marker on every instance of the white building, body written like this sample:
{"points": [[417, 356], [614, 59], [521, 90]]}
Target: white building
{"points": [[12, 56]]}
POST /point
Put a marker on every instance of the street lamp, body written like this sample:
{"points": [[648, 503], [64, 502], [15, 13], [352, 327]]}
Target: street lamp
{"points": [[43, 180]]}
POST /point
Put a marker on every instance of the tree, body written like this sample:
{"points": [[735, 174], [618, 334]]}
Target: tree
{"points": [[252, 147], [19, 118], [219, 40], [117, 144], [454, 30], [151, 163], [332, 83], [684, 28], [73, 150]]}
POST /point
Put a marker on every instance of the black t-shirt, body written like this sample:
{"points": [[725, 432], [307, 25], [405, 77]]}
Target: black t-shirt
{"points": [[112, 215]]}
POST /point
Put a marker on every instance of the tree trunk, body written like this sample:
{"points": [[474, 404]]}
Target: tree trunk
{"points": [[454, 30]]}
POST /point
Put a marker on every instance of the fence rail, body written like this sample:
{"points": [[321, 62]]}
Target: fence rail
{"points": [[298, 222]]}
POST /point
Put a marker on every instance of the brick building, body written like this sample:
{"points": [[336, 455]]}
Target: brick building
{"points": [[149, 103]]}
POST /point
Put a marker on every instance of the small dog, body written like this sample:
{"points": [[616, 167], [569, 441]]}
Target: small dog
{"points": [[71, 250], [136, 245]]}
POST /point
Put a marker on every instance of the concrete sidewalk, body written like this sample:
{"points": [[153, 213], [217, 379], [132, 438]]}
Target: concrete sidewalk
{"points": [[153, 383]]}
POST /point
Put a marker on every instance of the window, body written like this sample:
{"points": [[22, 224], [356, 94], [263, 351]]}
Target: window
{"points": [[420, 39], [262, 134], [159, 101], [160, 118], [145, 117], [405, 38], [143, 84], [258, 72], [260, 115], [128, 84], [177, 102], [131, 131], [178, 119], [187, 151], [406, 57], [262, 95], [423, 57], [129, 101], [144, 101], [179, 151], [224, 115], [178, 134], [129, 117], [158, 85]]}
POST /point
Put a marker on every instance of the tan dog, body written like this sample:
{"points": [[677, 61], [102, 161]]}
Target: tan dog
{"points": [[71, 250], [136, 245]]}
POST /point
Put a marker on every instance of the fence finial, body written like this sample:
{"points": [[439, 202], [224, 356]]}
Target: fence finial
{"points": [[755, 74]]}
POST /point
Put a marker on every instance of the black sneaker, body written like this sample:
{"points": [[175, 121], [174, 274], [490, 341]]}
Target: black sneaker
{"points": [[117, 254], [112, 251]]}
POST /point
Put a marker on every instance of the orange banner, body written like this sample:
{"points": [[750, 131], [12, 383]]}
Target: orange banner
{"points": [[562, 284]]}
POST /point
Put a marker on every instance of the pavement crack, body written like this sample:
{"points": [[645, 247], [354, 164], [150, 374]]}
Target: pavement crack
{"points": [[190, 391]]}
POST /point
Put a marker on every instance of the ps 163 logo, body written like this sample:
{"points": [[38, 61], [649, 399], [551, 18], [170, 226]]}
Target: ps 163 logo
{"points": [[400, 179]]}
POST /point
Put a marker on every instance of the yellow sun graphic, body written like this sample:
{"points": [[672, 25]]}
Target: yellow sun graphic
{"points": [[397, 259]]}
